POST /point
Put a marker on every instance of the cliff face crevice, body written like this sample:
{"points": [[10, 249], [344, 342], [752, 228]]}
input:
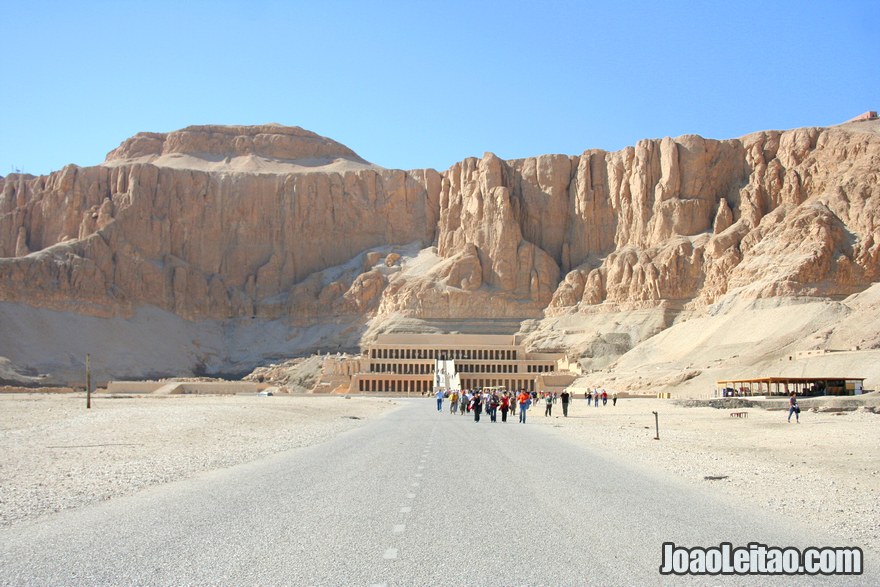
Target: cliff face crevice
{"points": [[478, 210]]}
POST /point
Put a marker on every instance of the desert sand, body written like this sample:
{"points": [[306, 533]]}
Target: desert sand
{"points": [[251, 164], [823, 471], [55, 454]]}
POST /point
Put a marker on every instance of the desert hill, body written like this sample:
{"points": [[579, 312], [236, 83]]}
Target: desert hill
{"points": [[211, 250]]}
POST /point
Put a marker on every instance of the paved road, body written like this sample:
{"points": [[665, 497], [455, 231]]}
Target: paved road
{"points": [[415, 498]]}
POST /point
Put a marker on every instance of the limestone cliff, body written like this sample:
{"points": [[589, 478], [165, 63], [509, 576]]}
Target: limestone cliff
{"points": [[280, 224], [203, 244], [675, 221]]}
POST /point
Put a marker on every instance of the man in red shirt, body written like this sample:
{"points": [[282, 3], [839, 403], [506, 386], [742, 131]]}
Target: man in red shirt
{"points": [[524, 400]]}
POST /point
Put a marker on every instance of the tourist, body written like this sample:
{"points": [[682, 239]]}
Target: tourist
{"points": [[596, 398], [614, 399], [794, 408], [564, 398], [589, 396], [524, 400], [505, 406], [494, 401], [477, 406], [604, 398], [548, 400], [439, 399], [463, 407], [453, 402]]}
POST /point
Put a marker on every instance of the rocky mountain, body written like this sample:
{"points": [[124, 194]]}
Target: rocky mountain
{"points": [[214, 249]]}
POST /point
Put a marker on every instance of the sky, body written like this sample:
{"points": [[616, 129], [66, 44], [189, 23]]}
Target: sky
{"points": [[413, 84]]}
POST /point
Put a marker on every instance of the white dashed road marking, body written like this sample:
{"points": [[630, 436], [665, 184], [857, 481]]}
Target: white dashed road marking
{"points": [[391, 553]]}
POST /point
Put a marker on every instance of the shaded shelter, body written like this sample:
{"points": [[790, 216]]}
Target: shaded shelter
{"points": [[806, 386]]}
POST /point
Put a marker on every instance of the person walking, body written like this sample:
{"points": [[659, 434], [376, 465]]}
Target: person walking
{"points": [[439, 399], [794, 408], [453, 402], [604, 398], [548, 410], [505, 406], [589, 396], [596, 399], [614, 399], [494, 402], [523, 399], [477, 406], [564, 397]]}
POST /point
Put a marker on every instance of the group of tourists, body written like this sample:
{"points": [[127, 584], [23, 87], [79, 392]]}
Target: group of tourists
{"points": [[594, 395], [492, 401]]}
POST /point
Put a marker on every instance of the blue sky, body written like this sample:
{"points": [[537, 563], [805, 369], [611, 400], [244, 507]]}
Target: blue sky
{"points": [[416, 84]]}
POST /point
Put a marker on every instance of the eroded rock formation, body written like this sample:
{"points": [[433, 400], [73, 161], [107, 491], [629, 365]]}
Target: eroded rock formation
{"points": [[282, 224], [202, 244]]}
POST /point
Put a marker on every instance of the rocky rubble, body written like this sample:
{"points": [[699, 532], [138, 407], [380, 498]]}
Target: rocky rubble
{"points": [[293, 376]]}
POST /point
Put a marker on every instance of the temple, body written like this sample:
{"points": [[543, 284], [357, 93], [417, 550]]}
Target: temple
{"points": [[422, 363]]}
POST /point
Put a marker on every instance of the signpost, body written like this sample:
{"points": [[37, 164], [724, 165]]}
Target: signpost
{"points": [[88, 382]]}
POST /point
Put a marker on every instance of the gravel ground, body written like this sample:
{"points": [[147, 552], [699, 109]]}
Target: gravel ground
{"points": [[824, 471], [56, 455], [410, 499]]}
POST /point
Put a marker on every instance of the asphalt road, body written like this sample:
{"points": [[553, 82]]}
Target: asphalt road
{"points": [[415, 498]]}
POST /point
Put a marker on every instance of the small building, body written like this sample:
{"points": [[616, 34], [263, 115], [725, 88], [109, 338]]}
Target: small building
{"points": [[806, 386], [869, 115]]}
